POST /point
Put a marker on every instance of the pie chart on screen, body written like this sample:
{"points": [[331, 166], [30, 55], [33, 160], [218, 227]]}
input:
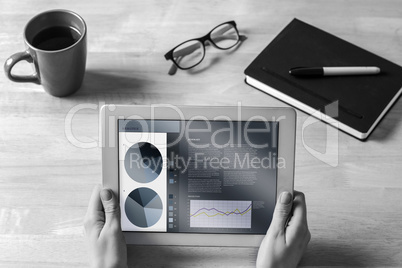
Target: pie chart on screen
{"points": [[143, 207], [143, 162]]}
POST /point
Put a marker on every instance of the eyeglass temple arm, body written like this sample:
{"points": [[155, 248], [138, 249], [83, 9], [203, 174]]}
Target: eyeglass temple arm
{"points": [[173, 69], [186, 51], [224, 29]]}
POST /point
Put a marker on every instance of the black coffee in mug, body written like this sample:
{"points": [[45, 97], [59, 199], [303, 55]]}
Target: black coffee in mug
{"points": [[56, 38], [56, 45]]}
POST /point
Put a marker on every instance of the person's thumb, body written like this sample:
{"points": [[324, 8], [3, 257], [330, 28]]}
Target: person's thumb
{"points": [[282, 212], [111, 207]]}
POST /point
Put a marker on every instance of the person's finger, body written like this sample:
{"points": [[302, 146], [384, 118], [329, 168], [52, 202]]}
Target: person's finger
{"points": [[94, 213], [282, 212], [299, 208], [95, 204], [297, 226], [111, 207]]}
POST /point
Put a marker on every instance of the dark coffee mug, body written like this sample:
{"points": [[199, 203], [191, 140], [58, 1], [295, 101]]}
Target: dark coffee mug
{"points": [[56, 44]]}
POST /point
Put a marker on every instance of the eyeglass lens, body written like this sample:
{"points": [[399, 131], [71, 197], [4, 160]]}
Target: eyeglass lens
{"points": [[225, 36], [191, 53]]}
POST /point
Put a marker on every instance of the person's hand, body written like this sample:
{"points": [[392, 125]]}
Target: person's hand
{"points": [[288, 236], [107, 247]]}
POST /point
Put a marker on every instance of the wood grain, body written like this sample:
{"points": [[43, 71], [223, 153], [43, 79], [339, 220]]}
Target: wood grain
{"points": [[354, 208]]}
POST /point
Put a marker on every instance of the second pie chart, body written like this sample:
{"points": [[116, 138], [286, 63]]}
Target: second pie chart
{"points": [[143, 207]]}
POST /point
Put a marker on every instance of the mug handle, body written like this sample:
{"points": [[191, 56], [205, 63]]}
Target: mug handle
{"points": [[12, 60]]}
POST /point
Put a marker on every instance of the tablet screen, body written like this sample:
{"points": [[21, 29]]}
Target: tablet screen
{"points": [[197, 176]]}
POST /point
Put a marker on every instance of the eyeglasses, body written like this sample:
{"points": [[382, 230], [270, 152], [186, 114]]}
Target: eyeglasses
{"points": [[190, 53]]}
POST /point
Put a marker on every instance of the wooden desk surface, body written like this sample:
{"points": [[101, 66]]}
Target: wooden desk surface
{"points": [[354, 208]]}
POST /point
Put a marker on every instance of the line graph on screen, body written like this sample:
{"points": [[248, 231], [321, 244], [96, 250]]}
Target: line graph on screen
{"points": [[220, 214]]}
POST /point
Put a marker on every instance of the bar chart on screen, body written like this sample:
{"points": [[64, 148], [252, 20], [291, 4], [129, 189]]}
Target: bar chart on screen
{"points": [[220, 214]]}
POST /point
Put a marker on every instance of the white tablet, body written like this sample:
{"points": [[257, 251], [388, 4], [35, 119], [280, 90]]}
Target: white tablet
{"points": [[205, 176]]}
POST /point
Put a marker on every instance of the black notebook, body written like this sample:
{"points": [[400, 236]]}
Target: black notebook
{"points": [[361, 100]]}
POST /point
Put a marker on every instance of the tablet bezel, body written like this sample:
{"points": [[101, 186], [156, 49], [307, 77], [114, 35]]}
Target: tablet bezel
{"points": [[109, 116]]}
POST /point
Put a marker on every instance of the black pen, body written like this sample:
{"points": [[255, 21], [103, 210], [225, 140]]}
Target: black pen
{"points": [[332, 71]]}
